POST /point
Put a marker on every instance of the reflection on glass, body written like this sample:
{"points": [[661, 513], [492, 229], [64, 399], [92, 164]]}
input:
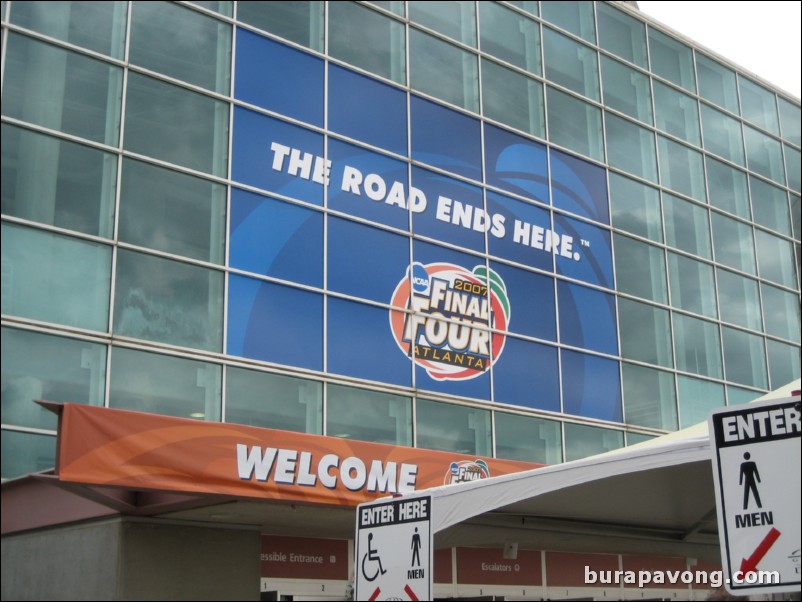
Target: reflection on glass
{"points": [[172, 212], [582, 440], [640, 269], [509, 36], [163, 384], [770, 206], [635, 207], [722, 135], [621, 34], [775, 259], [783, 363], [39, 366], [58, 183], [733, 243], [55, 278], [570, 64], [717, 83], [62, 90], [738, 299], [645, 333], [168, 301], [512, 99], [687, 225], [681, 168], [273, 401], [764, 155], [781, 311], [299, 22], [181, 43], [443, 71], [671, 59], [649, 397], [697, 398], [790, 121], [528, 439], [455, 19], [576, 17], [381, 48], [630, 147], [575, 124], [626, 89], [449, 427], [726, 187], [691, 284], [368, 415], [744, 358], [24, 453], [758, 105], [697, 346]]}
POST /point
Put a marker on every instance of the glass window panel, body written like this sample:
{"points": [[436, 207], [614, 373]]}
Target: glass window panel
{"points": [[736, 395], [62, 90], [181, 43], [790, 121], [640, 269], [717, 83], [571, 64], [621, 34], [687, 225], [528, 439], [582, 440], [796, 215], [98, 26], [635, 438], [697, 398], [168, 301], [775, 259], [793, 167], [381, 48], [727, 189], [744, 358], [443, 71], [172, 212], [783, 363], [691, 283], [697, 346], [758, 105], [676, 113], [734, 243], [225, 8], [164, 384], [645, 333], [722, 135], [55, 278], [176, 125], [509, 36], [512, 99], [635, 207], [738, 299], [40, 366], [574, 124], [626, 89], [630, 147], [681, 168], [770, 206], [764, 155], [650, 398], [450, 427], [24, 453], [455, 19], [57, 182], [394, 6], [576, 17], [529, 6], [368, 415], [781, 311], [273, 401], [671, 60], [299, 22]]}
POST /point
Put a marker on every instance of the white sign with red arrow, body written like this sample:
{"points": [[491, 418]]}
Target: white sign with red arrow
{"points": [[756, 466]]}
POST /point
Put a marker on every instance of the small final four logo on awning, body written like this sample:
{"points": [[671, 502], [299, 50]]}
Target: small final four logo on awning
{"points": [[453, 319]]}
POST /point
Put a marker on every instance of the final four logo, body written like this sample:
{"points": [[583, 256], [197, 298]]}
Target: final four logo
{"points": [[448, 317]]}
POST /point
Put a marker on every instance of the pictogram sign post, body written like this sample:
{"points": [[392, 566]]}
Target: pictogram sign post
{"points": [[756, 466], [394, 550]]}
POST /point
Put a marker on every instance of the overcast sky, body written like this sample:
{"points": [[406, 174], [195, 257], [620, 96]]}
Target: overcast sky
{"points": [[763, 37]]}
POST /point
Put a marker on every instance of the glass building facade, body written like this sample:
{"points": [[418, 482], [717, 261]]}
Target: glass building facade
{"points": [[528, 230]]}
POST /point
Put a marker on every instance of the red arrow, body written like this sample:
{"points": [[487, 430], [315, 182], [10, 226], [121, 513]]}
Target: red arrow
{"points": [[749, 565]]}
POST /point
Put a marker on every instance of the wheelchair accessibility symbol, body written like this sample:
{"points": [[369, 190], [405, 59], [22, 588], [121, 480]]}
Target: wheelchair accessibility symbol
{"points": [[372, 562]]}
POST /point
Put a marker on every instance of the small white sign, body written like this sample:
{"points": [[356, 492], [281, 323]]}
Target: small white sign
{"points": [[394, 550], [756, 466]]}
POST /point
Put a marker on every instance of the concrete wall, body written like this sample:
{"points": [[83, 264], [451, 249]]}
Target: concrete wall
{"points": [[132, 559]]}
